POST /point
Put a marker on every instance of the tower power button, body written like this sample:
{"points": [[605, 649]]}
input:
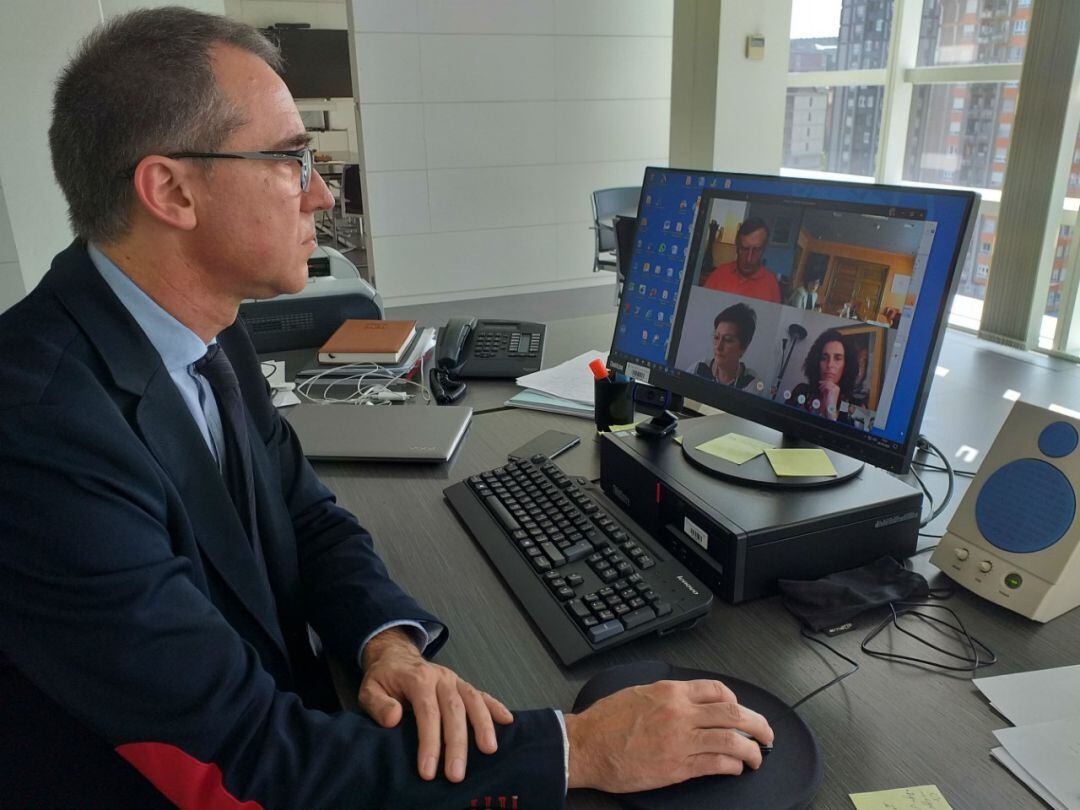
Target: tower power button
{"points": [[1013, 581]]}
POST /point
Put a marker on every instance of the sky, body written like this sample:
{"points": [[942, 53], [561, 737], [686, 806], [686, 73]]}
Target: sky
{"points": [[815, 18]]}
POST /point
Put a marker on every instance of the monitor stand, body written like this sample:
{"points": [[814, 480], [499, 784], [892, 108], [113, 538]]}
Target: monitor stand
{"points": [[757, 472]]}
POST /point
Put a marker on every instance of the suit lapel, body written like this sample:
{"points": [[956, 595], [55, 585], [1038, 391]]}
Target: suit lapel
{"points": [[170, 434], [167, 429]]}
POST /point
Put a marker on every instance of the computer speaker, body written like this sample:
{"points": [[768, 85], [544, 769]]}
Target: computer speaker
{"points": [[1014, 538]]}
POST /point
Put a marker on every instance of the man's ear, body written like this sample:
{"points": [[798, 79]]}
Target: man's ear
{"points": [[163, 187]]}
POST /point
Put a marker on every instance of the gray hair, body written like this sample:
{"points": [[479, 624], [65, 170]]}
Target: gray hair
{"points": [[141, 84]]}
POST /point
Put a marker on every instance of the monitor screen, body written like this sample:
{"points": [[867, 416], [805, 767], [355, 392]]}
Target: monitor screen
{"points": [[316, 61], [816, 308]]}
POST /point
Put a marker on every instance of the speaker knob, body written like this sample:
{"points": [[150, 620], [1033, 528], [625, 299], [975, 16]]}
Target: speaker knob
{"points": [[985, 566], [961, 553]]}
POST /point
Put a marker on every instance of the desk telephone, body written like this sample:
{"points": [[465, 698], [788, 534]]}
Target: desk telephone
{"points": [[471, 349]]}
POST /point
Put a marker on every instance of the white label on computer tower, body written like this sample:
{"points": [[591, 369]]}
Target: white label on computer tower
{"points": [[699, 535], [639, 373]]}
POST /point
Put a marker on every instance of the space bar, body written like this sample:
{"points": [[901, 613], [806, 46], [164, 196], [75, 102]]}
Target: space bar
{"points": [[505, 518]]}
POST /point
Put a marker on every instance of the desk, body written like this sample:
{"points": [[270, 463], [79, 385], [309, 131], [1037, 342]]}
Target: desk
{"points": [[886, 726]]}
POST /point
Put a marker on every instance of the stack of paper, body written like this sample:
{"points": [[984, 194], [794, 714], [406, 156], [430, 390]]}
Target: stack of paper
{"points": [[1043, 750], [565, 388]]}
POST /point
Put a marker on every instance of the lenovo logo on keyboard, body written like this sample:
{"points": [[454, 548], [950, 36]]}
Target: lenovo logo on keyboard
{"points": [[688, 586]]}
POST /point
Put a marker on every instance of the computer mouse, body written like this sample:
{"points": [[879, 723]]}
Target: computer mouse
{"points": [[789, 778]]}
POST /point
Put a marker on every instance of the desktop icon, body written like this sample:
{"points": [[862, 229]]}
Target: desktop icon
{"points": [[674, 250], [670, 272], [663, 294], [678, 227], [656, 338], [648, 314], [644, 221], [667, 224], [645, 334], [648, 199], [701, 182], [652, 293], [682, 205], [660, 316], [689, 180], [641, 289], [646, 266], [663, 247]]}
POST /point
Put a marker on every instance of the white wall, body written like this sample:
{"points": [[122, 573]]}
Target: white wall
{"points": [[751, 95], [331, 15], [486, 124], [37, 38]]}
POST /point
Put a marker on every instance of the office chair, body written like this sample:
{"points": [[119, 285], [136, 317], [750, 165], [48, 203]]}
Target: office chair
{"points": [[606, 204], [625, 230], [352, 203]]}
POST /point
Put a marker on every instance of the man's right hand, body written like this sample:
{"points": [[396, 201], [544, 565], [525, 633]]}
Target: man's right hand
{"points": [[650, 736]]}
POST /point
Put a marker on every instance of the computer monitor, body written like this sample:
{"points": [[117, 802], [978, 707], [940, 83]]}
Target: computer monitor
{"points": [[811, 307], [317, 63]]}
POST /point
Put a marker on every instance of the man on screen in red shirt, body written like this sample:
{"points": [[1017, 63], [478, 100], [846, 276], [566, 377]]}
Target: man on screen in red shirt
{"points": [[747, 275]]}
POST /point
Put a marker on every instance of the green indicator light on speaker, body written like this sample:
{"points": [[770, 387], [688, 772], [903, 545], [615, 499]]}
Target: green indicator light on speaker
{"points": [[1013, 581]]}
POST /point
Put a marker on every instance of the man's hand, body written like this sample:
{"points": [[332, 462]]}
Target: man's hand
{"points": [[394, 671], [650, 736]]}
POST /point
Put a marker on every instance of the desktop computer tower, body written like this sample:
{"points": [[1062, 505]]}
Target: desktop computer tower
{"points": [[740, 540]]}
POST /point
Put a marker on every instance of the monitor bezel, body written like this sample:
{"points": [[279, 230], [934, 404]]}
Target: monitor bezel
{"points": [[782, 417]]}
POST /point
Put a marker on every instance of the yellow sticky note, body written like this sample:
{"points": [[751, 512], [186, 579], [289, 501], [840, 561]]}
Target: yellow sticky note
{"points": [[923, 797], [734, 447], [678, 439], [801, 461], [619, 428]]}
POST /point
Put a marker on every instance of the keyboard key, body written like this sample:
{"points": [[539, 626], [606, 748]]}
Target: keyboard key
{"points": [[504, 517], [645, 562], [604, 631], [574, 580], [662, 608], [578, 609], [553, 554], [541, 563], [609, 574], [565, 593], [638, 617], [577, 550], [605, 615], [636, 602]]}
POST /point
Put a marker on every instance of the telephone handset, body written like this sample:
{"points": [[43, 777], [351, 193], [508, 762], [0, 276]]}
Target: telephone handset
{"points": [[471, 348]]}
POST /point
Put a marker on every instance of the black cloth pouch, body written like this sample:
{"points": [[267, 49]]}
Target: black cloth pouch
{"points": [[829, 604]]}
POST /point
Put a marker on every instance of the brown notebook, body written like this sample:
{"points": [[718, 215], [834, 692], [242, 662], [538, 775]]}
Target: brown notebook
{"points": [[366, 341]]}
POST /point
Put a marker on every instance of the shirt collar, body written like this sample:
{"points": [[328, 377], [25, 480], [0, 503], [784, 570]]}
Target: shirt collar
{"points": [[178, 346]]}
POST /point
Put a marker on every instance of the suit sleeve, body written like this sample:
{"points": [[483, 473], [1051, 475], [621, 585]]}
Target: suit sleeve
{"points": [[348, 593], [102, 616]]}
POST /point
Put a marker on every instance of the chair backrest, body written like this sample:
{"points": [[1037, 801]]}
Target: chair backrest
{"points": [[350, 189], [625, 230], [607, 202]]}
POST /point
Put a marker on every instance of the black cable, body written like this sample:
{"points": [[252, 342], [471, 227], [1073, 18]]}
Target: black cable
{"points": [[972, 662], [836, 680], [929, 498], [951, 474], [935, 468]]}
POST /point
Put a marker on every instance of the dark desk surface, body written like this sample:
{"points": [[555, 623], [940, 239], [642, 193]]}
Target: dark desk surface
{"points": [[887, 726]]}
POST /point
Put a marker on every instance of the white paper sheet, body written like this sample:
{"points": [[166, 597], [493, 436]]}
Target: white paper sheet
{"points": [[570, 380], [1034, 697], [1050, 753], [1036, 787]]}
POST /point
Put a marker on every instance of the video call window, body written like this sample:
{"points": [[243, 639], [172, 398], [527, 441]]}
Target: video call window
{"points": [[804, 304]]}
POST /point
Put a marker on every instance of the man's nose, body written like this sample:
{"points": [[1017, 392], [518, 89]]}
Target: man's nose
{"points": [[318, 197]]}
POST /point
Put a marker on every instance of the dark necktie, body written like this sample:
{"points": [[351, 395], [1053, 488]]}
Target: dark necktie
{"points": [[239, 480]]}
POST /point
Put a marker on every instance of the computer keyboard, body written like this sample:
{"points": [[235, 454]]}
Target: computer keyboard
{"points": [[585, 578]]}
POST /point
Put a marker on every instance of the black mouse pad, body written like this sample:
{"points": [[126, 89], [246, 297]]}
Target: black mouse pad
{"points": [[788, 778]]}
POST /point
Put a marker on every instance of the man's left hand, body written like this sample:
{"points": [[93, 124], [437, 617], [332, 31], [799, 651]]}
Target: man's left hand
{"points": [[396, 672]]}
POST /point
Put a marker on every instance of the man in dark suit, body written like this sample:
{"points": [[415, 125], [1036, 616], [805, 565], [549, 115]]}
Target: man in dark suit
{"points": [[170, 564]]}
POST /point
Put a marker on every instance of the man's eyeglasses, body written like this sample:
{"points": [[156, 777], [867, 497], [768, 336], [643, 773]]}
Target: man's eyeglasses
{"points": [[304, 157]]}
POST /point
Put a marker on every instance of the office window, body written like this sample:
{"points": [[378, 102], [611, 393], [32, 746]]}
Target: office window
{"points": [[1059, 278], [986, 41], [937, 142], [823, 36], [845, 141], [1020, 27], [974, 275]]}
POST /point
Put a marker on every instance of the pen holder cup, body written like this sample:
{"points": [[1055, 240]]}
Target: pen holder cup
{"points": [[614, 402]]}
